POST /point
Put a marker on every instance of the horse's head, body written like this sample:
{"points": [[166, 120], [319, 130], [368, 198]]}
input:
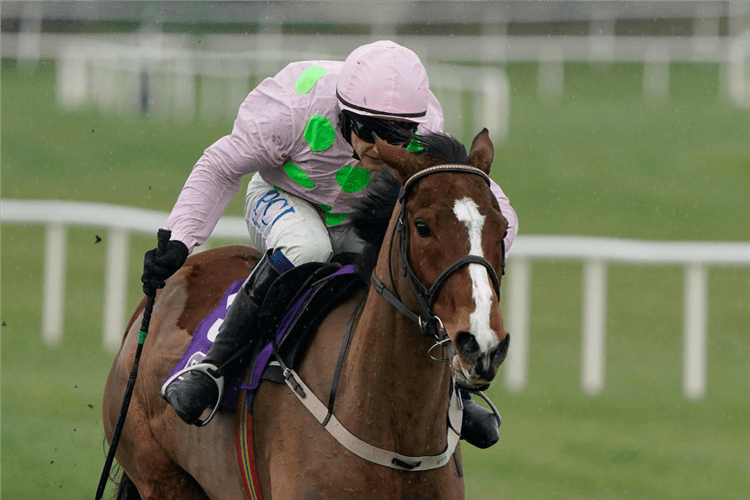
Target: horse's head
{"points": [[449, 241]]}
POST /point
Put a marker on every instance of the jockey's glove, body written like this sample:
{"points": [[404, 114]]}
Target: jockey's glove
{"points": [[158, 265]]}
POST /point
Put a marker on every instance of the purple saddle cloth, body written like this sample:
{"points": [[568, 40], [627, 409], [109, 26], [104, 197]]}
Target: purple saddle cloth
{"points": [[205, 335]]}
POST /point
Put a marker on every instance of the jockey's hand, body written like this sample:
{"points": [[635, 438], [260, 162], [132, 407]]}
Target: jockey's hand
{"points": [[158, 265]]}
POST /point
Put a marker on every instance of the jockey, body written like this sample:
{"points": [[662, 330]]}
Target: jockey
{"points": [[307, 135]]}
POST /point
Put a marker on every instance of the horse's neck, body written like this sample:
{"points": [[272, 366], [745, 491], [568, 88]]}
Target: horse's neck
{"points": [[397, 393]]}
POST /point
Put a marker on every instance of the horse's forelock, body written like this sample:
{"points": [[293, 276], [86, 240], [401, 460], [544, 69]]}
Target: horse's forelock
{"points": [[372, 214], [443, 148]]}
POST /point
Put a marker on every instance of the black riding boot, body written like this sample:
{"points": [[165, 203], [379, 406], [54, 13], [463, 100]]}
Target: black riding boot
{"points": [[480, 426], [198, 391]]}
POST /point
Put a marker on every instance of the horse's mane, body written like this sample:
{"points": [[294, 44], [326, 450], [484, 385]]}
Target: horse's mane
{"points": [[372, 213], [445, 148]]}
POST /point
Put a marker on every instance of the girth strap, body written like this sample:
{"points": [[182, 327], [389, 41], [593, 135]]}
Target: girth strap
{"points": [[371, 453]]}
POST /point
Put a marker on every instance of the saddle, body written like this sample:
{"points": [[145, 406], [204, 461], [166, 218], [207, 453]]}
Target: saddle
{"points": [[294, 306]]}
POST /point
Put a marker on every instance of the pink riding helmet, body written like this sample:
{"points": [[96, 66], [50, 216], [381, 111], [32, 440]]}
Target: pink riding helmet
{"points": [[385, 80]]}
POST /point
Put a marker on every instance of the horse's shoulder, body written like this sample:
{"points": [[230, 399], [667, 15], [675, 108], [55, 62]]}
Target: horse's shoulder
{"points": [[218, 265], [225, 255], [207, 275]]}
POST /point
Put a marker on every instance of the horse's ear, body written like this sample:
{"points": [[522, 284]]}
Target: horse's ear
{"points": [[482, 151], [402, 160]]}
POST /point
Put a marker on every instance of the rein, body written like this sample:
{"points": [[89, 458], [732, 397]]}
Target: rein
{"points": [[428, 322], [386, 458]]}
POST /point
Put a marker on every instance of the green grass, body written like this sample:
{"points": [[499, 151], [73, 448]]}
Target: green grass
{"points": [[599, 163], [604, 164]]}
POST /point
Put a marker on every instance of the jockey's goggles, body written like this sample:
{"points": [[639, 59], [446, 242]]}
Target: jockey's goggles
{"points": [[396, 132]]}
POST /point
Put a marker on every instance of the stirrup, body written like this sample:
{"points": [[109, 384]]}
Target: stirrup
{"points": [[492, 407], [206, 368]]}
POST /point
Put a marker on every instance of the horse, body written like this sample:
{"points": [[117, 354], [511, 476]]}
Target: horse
{"points": [[434, 244]]}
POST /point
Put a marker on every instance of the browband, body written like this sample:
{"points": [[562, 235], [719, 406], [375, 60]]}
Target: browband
{"points": [[442, 168]]}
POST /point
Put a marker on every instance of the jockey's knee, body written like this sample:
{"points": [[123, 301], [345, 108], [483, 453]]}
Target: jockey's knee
{"points": [[311, 250]]}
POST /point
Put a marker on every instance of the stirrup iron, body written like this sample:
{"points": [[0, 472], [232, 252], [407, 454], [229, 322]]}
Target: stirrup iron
{"points": [[492, 407], [206, 368]]}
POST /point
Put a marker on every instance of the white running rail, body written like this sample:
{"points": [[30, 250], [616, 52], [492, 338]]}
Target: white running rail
{"points": [[595, 253]]}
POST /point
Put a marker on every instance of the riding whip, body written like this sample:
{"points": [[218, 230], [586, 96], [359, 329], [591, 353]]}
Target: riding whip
{"points": [[163, 238]]}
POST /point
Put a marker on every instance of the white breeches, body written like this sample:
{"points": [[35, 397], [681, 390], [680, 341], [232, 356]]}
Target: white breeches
{"points": [[279, 220]]}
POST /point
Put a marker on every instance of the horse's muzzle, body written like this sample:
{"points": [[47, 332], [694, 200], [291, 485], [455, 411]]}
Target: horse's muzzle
{"points": [[474, 369]]}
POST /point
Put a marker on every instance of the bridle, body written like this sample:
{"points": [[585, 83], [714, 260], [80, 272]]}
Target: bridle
{"points": [[429, 324], [428, 321]]}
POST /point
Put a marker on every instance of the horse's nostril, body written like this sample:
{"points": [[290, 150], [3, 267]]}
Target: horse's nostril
{"points": [[501, 351], [468, 346]]}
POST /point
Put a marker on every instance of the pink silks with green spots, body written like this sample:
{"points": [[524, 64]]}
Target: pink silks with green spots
{"points": [[287, 131]]}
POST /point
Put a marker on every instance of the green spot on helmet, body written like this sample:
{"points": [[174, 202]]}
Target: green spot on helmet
{"points": [[298, 175], [319, 133], [352, 179], [308, 79]]}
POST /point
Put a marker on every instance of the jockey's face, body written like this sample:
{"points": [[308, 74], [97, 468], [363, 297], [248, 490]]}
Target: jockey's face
{"points": [[368, 153], [392, 131]]}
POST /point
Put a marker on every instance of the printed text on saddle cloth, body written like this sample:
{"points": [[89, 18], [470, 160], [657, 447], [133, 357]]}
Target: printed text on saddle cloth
{"points": [[207, 330]]}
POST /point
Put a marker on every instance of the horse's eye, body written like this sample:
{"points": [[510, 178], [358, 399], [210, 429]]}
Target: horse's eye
{"points": [[423, 229]]}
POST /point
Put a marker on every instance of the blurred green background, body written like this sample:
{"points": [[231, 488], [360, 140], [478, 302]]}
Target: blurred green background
{"points": [[599, 163]]}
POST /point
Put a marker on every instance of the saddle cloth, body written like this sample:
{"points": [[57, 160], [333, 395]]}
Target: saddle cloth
{"points": [[314, 290], [311, 289]]}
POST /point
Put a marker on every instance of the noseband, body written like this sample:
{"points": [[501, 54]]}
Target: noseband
{"points": [[426, 296]]}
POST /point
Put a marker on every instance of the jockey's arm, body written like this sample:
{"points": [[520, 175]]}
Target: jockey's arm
{"points": [[508, 213], [434, 122], [216, 177]]}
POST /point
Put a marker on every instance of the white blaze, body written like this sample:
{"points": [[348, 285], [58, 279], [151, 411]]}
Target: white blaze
{"points": [[467, 212]]}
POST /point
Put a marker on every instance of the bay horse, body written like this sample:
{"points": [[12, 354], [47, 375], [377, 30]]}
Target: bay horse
{"points": [[435, 250]]}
